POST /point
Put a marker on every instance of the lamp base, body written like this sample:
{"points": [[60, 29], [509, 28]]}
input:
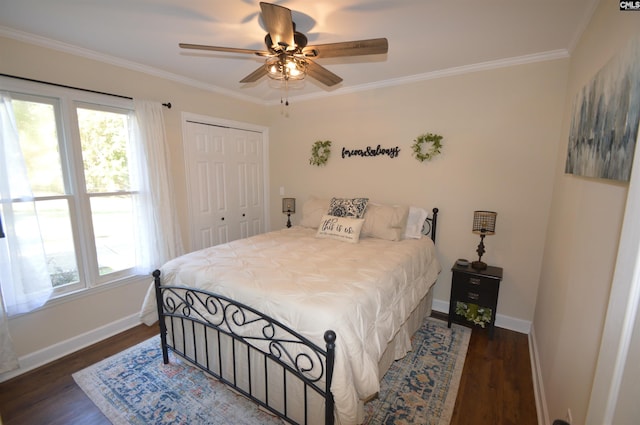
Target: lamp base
{"points": [[478, 265]]}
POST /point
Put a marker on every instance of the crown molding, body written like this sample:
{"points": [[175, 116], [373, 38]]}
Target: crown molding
{"points": [[444, 73], [134, 66], [112, 60]]}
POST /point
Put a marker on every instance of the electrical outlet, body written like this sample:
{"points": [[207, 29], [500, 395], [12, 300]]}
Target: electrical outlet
{"points": [[568, 417]]}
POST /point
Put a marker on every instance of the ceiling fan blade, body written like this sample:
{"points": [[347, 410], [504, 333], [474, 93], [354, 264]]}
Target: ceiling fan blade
{"points": [[279, 24], [322, 74], [223, 49], [372, 46], [255, 75]]}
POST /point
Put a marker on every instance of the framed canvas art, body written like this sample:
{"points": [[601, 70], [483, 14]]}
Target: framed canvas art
{"points": [[604, 122]]}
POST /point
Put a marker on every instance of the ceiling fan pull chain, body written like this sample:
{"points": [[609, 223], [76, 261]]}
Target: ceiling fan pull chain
{"points": [[286, 92]]}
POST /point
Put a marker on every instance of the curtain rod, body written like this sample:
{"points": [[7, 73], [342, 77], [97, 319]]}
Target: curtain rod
{"points": [[168, 104]]}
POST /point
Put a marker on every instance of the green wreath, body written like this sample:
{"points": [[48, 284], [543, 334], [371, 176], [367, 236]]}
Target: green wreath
{"points": [[433, 144], [320, 152]]}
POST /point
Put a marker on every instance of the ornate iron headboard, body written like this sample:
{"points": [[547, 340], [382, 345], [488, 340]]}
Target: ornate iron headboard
{"points": [[430, 225]]}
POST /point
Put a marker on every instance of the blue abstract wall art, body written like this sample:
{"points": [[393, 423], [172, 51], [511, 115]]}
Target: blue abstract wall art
{"points": [[604, 124]]}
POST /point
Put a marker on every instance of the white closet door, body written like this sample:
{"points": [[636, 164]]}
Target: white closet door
{"points": [[247, 162], [225, 179], [206, 170]]}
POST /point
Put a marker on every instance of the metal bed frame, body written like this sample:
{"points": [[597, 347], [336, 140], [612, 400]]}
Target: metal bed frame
{"points": [[283, 353]]}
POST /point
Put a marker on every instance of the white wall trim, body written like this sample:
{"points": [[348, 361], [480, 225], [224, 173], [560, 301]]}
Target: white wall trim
{"points": [[127, 64], [525, 327], [440, 306], [442, 73], [123, 63], [538, 385], [53, 352], [223, 122], [502, 321]]}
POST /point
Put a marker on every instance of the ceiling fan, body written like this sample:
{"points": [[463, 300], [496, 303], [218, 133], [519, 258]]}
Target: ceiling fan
{"points": [[288, 57]]}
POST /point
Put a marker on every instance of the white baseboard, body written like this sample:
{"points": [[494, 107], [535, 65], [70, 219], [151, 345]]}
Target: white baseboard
{"points": [[502, 321], [61, 349], [538, 387], [525, 327], [46, 355]]}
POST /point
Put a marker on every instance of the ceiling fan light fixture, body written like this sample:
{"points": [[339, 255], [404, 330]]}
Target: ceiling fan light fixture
{"points": [[286, 68], [289, 58]]}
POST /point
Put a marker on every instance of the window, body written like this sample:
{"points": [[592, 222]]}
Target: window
{"points": [[78, 156], [104, 137], [38, 129]]}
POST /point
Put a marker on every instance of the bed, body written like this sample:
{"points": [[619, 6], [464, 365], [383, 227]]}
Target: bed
{"points": [[306, 320]]}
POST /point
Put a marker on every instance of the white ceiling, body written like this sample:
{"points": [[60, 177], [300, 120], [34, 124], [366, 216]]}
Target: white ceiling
{"points": [[426, 37]]}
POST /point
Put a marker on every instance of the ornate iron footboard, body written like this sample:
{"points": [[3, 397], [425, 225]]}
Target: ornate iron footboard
{"points": [[204, 326]]}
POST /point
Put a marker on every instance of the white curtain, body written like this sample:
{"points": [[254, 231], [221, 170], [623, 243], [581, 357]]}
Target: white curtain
{"points": [[24, 279], [8, 357], [158, 226]]}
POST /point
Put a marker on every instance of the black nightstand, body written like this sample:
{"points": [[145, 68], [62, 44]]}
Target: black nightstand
{"points": [[479, 287]]}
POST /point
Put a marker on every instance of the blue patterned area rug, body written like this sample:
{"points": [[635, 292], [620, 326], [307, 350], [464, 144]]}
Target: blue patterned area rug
{"points": [[422, 387], [134, 387]]}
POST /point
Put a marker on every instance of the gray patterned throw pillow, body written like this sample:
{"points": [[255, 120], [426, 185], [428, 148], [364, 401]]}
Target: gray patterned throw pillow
{"points": [[348, 207]]}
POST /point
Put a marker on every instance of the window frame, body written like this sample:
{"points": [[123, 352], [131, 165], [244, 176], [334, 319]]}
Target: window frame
{"points": [[65, 102]]}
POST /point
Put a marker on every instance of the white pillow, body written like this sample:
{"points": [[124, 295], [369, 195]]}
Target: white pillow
{"points": [[385, 221], [415, 222], [312, 211], [345, 229]]}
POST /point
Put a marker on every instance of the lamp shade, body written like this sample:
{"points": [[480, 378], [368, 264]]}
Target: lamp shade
{"points": [[484, 222], [289, 205]]}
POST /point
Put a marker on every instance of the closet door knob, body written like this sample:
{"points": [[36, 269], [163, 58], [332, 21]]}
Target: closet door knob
{"points": [[222, 219], [243, 214]]}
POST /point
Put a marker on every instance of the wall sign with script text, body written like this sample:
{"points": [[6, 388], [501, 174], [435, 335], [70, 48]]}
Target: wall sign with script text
{"points": [[370, 151]]}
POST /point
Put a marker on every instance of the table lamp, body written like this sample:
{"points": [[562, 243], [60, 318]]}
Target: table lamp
{"points": [[288, 207], [484, 223]]}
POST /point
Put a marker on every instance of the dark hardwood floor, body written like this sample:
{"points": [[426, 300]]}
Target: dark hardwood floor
{"points": [[49, 395], [496, 386]]}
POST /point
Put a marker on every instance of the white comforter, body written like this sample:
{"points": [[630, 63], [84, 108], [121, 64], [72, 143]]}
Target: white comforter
{"points": [[364, 292]]}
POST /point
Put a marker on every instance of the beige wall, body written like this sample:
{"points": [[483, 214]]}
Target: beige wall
{"points": [[500, 131], [582, 240], [504, 149], [71, 319]]}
